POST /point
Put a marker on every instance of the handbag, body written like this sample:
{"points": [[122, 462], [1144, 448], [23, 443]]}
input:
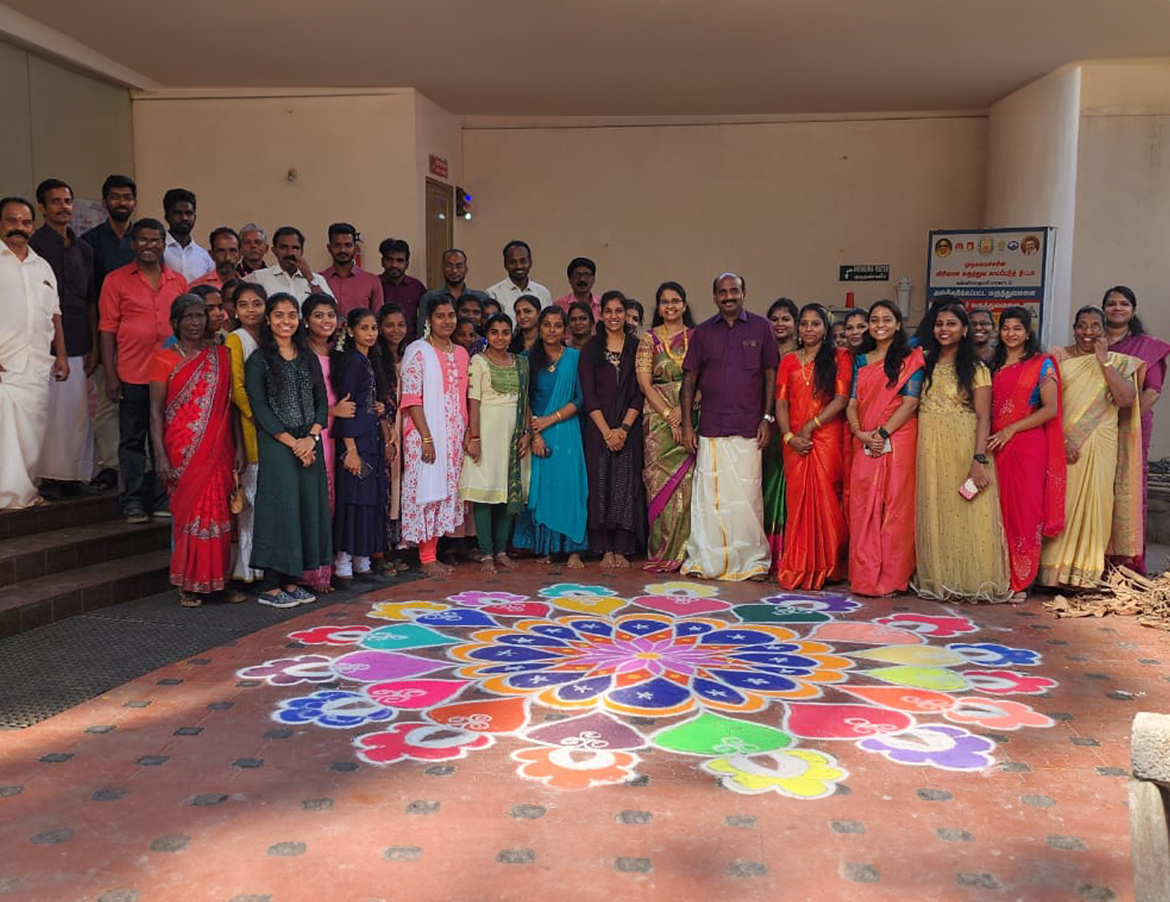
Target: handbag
{"points": [[237, 501]]}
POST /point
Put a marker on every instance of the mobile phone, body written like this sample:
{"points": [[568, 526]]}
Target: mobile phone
{"points": [[968, 489]]}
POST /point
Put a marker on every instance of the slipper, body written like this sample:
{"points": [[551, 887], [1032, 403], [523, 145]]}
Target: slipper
{"points": [[189, 601], [234, 596]]}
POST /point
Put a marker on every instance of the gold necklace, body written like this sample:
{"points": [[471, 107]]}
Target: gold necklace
{"points": [[446, 350], [552, 366], [677, 360], [807, 377]]}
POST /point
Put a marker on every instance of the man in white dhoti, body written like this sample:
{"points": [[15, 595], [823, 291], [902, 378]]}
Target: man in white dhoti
{"points": [[731, 362], [67, 454], [30, 325]]}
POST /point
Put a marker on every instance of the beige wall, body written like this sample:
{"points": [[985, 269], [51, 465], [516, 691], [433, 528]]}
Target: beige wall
{"points": [[1032, 175], [60, 124], [1123, 198], [354, 156], [784, 203]]}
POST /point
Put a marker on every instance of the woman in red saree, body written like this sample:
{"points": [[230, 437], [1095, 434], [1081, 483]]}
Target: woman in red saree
{"points": [[191, 427], [812, 389], [1028, 442], [887, 379]]}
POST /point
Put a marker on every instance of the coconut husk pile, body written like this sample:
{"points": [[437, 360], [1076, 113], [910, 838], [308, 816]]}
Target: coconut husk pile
{"points": [[1124, 592]]}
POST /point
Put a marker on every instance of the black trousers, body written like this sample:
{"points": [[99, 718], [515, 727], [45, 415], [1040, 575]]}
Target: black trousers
{"points": [[140, 489]]}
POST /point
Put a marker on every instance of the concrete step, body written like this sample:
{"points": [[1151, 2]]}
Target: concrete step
{"points": [[56, 551], [60, 515], [35, 602]]}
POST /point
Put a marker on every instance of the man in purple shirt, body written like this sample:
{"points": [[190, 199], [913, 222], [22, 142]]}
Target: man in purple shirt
{"points": [[397, 287], [731, 363], [351, 285]]}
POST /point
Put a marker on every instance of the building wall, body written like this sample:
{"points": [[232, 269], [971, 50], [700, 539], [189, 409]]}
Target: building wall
{"points": [[1032, 175], [60, 123], [1123, 198], [353, 155], [784, 203]]}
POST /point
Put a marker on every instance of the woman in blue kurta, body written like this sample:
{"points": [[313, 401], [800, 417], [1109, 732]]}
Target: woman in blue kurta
{"points": [[554, 521], [359, 520]]}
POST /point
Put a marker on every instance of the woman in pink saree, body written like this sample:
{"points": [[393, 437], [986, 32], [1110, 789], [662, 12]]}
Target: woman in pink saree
{"points": [[887, 379], [1126, 335]]}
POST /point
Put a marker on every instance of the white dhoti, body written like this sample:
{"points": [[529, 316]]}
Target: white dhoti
{"points": [[24, 403], [245, 521], [727, 538], [68, 446]]}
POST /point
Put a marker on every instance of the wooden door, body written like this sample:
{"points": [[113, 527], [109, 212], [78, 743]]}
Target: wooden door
{"points": [[440, 228]]}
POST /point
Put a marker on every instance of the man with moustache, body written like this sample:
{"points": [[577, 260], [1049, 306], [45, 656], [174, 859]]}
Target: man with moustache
{"points": [[455, 284], [518, 263], [291, 273], [253, 250], [353, 286], [67, 457], [732, 362], [983, 330], [30, 323], [135, 308], [582, 273], [183, 254], [397, 287], [225, 253], [110, 241]]}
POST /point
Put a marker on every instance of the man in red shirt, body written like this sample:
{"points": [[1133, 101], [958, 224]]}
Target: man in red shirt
{"points": [[135, 308], [399, 288], [351, 285]]}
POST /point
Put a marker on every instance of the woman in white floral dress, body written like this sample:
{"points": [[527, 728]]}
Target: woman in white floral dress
{"points": [[434, 401]]}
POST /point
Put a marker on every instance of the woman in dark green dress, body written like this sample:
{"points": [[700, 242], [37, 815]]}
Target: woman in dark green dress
{"points": [[783, 316], [290, 407]]}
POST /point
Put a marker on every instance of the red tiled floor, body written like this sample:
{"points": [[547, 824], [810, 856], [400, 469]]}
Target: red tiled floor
{"points": [[290, 812]]}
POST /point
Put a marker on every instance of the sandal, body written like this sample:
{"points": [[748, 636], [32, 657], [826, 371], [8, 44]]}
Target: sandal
{"points": [[234, 596], [187, 600]]}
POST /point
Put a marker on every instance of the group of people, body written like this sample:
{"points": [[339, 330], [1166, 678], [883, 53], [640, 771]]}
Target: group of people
{"points": [[303, 430]]}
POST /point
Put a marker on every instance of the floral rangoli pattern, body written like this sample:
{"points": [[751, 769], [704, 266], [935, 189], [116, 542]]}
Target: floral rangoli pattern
{"points": [[574, 683]]}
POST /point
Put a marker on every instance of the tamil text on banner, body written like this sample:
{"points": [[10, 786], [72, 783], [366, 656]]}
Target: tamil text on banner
{"points": [[992, 268]]}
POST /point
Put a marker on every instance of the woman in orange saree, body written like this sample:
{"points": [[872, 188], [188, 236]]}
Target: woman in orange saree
{"points": [[1028, 442], [195, 451], [812, 389], [887, 379]]}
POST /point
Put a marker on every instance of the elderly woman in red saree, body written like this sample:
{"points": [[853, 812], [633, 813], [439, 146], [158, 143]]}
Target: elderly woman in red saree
{"points": [[1102, 499], [812, 389], [1028, 442], [195, 447], [668, 466], [887, 379], [1127, 335]]}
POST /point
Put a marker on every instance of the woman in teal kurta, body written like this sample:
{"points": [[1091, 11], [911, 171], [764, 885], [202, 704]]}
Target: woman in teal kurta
{"points": [[290, 407], [554, 521]]}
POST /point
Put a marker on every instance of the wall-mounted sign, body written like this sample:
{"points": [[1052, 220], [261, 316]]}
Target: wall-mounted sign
{"points": [[992, 268], [865, 272], [438, 167]]}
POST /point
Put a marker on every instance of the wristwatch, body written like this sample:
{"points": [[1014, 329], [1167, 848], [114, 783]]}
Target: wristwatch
{"points": [[624, 427], [882, 432], [980, 458], [771, 419]]}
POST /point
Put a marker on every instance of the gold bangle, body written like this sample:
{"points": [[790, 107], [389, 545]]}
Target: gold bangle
{"points": [[817, 422], [428, 441], [788, 436], [558, 415]]}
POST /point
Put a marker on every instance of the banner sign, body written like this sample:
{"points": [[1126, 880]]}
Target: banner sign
{"points": [[992, 268], [864, 272]]}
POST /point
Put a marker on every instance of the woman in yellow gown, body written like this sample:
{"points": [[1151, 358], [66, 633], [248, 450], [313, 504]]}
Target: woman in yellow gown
{"points": [[1103, 493], [959, 543]]}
